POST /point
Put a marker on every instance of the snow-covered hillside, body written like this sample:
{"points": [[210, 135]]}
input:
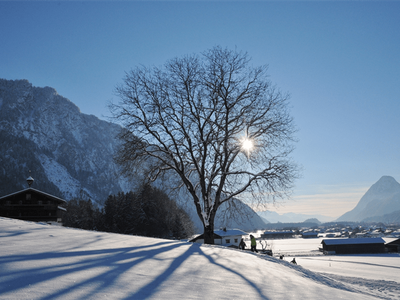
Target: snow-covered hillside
{"points": [[39, 261]]}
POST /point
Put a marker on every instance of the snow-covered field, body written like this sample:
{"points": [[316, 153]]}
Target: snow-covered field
{"points": [[39, 261], [376, 274]]}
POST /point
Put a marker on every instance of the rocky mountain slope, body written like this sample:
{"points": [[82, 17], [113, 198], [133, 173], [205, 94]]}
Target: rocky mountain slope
{"points": [[69, 154], [382, 198]]}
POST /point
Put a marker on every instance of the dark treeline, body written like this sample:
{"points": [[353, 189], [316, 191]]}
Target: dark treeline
{"points": [[147, 212]]}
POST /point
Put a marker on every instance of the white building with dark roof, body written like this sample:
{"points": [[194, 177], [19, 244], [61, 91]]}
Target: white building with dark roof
{"points": [[224, 237]]}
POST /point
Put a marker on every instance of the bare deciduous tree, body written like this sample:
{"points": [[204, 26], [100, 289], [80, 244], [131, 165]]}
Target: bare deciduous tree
{"points": [[214, 120]]}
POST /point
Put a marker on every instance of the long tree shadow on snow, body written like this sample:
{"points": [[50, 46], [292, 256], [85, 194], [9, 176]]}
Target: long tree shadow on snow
{"points": [[14, 280], [149, 289], [116, 262]]}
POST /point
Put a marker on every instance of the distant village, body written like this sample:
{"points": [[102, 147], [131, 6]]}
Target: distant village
{"points": [[345, 237], [336, 238], [334, 230]]}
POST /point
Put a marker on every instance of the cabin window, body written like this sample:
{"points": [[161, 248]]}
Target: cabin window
{"points": [[227, 241], [28, 196], [40, 202], [236, 240]]}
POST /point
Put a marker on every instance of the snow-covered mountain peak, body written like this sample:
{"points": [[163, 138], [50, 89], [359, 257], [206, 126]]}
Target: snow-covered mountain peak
{"points": [[386, 185], [382, 197]]}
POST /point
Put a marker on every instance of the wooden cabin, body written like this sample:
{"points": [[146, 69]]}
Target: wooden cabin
{"points": [[32, 205]]}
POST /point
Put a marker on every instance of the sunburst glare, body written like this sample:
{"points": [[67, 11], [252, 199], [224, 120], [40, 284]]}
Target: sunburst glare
{"points": [[247, 145]]}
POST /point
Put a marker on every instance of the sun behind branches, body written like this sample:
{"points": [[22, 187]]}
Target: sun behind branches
{"points": [[247, 145]]}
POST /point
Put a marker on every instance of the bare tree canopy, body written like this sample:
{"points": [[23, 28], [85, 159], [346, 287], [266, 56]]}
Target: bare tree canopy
{"points": [[214, 120]]}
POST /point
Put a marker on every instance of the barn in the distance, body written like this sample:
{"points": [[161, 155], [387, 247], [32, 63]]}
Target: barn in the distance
{"points": [[275, 234], [393, 246], [353, 246], [32, 205]]}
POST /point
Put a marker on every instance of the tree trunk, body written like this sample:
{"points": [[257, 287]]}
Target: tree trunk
{"points": [[209, 232], [209, 235]]}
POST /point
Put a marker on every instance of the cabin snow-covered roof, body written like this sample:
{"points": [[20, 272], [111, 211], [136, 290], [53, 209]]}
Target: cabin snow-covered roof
{"points": [[392, 241], [358, 241], [34, 191], [310, 233], [201, 236], [219, 234]]}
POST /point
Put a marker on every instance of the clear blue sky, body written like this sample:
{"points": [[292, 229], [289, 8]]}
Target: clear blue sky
{"points": [[340, 61]]}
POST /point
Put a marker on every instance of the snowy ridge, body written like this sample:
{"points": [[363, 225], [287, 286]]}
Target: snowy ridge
{"points": [[59, 175]]}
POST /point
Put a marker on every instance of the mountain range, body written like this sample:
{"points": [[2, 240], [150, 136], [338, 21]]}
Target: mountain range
{"points": [[381, 203], [70, 154], [274, 217]]}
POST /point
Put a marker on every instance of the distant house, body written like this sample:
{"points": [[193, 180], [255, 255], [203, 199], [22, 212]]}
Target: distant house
{"points": [[345, 233], [353, 246], [224, 237], [32, 205], [309, 234], [361, 235], [330, 235], [274, 234], [376, 233]]}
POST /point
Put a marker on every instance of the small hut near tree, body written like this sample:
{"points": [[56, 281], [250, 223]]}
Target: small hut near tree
{"points": [[224, 237]]}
